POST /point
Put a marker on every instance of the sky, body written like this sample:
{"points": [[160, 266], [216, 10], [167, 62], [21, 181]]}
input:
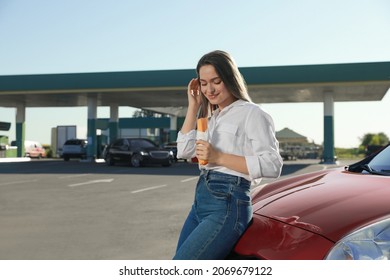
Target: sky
{"points": [[77, 36]]}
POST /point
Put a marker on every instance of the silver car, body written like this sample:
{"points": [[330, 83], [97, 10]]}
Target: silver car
{"points": [[74, 148]]}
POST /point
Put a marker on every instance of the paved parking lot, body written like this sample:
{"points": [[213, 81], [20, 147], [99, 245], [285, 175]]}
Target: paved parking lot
{"points": [[50, 209]]}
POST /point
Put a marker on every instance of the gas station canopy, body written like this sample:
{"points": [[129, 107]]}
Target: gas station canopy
{"points": [[165, 91], [167, 88]]}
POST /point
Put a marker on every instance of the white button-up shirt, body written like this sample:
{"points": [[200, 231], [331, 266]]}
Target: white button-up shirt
{"points": [[243, 129]]}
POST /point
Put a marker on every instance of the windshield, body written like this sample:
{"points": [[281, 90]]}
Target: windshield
{"points": [[142, 144], [377, 164], [381, 162]]}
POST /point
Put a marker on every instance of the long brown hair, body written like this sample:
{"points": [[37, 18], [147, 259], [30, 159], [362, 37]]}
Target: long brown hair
{"points": [[227, 70]]}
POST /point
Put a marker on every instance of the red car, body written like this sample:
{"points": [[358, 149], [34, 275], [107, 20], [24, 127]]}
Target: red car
{"points": [[340, 213]]}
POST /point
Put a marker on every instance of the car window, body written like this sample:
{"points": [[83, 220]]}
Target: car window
{"points": [[77, 142], [381, 162], [141, 143], [72, 142], [118, 143]]}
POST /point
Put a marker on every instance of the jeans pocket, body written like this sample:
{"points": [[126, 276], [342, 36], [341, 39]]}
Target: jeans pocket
{"points": [[219, 188], [244, 215]]}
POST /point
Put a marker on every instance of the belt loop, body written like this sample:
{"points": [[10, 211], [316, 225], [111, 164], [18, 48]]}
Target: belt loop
{"points": [[205, 173]]}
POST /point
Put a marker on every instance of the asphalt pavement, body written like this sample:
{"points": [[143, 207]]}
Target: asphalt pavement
{"points": [[56, 210]]}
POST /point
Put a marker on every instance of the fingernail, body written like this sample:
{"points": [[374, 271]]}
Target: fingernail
{"points": [[192, 92]]}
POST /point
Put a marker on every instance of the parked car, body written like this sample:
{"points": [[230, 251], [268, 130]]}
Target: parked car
{"points": [[287, 155], [172, 146], [338, 213], [74, 148], [32, 149], [137, 152]]}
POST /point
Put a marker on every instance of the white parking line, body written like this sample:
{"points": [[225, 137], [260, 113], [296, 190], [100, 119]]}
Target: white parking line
{"points": [[17, 182], [92, 182], [163, 186], [189, 179], [74, 176], [149, 188]]}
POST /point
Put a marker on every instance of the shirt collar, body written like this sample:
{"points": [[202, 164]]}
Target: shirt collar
{"points": [[236, 103]]}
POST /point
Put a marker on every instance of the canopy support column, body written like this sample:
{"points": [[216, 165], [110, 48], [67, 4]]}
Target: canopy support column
{"points": [[113, 124], [91, 132], [20, 129], [173, 129], [328, 153]]}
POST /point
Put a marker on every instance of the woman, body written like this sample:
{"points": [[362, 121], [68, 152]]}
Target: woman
{"points": [[240, 148]]}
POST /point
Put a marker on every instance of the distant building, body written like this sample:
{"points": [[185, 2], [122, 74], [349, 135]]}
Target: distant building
{"points": [[294, 145]]}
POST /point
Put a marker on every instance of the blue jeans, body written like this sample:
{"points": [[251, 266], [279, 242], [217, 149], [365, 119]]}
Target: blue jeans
{"points": [[219, 215]]}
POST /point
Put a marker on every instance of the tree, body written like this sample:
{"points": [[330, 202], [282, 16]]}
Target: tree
{"points": [[143, 113], [370, 139], [372, 142]]}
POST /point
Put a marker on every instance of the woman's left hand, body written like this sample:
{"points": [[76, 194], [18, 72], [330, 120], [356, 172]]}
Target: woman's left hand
{"points": [[205, 151]]}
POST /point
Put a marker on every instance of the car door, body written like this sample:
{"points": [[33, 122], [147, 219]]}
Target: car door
{"points": [[126, 150], [118, 149], [134, 146]]}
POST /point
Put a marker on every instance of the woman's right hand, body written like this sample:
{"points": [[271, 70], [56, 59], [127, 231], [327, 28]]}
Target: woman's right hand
{"points": [[194, 94], [194, 102]]}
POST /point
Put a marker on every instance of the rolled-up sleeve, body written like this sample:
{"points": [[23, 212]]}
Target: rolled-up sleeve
{"points": [[265, 160], [186, 145]]}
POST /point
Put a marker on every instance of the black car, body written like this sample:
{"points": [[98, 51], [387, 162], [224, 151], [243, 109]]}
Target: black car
{"points": [[172, 146], [137, 152]]}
